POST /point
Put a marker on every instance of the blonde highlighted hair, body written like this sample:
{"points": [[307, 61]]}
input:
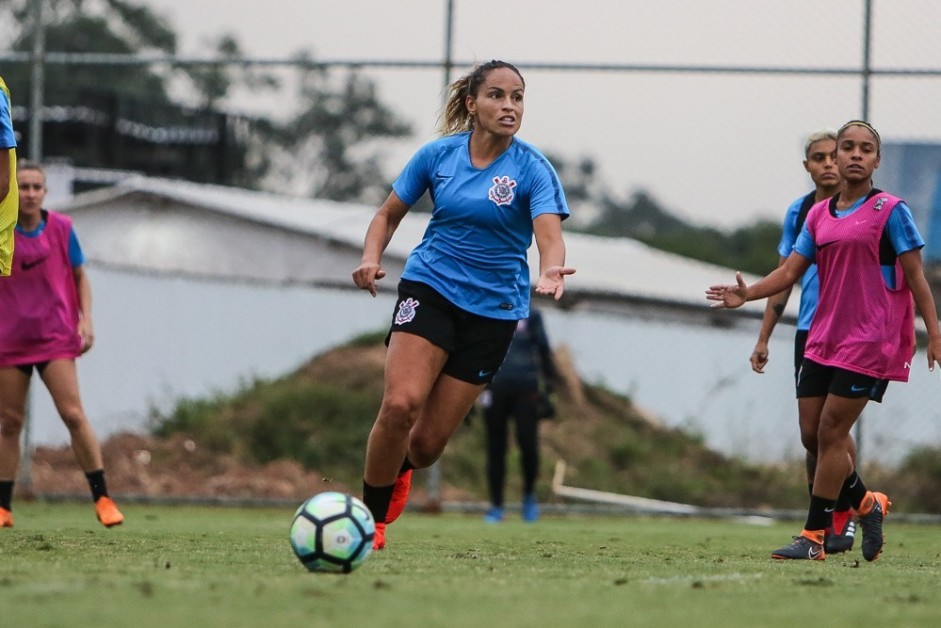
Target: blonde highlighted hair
{"points": [[818, 136]]}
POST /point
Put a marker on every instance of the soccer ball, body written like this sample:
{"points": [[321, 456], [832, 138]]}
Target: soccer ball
{"points": [[332, 532]]}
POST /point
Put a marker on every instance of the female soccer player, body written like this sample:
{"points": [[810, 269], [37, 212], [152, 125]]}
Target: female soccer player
{"points": [[466, 284], [868, 255], [46, 324], [820, 164]]}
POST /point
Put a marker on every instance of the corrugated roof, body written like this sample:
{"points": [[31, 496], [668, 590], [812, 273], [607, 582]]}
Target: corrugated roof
{"points": [[608, 268]]}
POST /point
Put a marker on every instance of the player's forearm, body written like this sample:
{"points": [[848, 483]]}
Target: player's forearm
{"points": [[926, 307], [83, 288], [774, 310]]}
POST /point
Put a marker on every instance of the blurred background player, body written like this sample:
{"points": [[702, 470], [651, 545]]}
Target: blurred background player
{"points": [[820, 163], [46, 324], [466, 283], [519, 390], [868, 252], [8, 191]]}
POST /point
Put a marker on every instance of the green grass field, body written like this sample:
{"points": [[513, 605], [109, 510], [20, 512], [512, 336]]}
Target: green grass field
{"points": [[188, 566]]}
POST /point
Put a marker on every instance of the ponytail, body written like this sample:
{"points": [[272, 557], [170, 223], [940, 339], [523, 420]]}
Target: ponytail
{"points": [[457, 118]]}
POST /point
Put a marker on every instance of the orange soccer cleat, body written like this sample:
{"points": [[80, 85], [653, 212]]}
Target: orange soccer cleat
{"points": [[6, 518], [107, 512], [379, 536], [403, 486]]}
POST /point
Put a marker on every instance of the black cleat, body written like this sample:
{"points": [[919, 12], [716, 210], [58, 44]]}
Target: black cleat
{"points": [[871, 523], [801, 549]]}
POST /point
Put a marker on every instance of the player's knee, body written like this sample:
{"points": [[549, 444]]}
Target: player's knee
{"points": [[73, 418], [396, 417], [829, 435], [11, 424], [424, 451], [810, 442]]}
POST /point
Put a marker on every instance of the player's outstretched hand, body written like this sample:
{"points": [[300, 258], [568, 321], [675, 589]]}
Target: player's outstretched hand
{"points": [[552, 281], [366, 275], [729, 296]]}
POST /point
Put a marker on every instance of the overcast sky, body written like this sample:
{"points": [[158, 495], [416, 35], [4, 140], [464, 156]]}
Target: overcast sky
{"points": [[713, 148]]}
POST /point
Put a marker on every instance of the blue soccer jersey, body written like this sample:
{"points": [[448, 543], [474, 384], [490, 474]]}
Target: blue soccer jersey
{"points": [[474, 249], [810, 282]]}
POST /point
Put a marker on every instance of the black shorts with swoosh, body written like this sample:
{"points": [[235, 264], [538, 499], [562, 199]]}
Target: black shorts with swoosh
{"points": [[476, 345], [818, 380]]}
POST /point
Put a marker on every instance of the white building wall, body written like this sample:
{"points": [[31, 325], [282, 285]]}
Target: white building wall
{"points": [[162, 338]]}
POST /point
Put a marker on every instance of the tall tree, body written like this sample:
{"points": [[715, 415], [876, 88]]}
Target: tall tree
{"points": [[331, 144], [334, 140], [103, 26]]}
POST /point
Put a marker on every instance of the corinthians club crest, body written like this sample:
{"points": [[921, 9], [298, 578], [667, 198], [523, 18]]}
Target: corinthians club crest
{"points": [[406, 311], [501, 192]]}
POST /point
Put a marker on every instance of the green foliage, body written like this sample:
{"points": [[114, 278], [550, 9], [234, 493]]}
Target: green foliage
{"points": [[919, 479], [926, 462], [750, 249], [319, 426], [322, 427]]}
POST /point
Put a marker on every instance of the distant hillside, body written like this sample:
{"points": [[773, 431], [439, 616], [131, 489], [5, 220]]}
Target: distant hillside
{"points": [[321, 414], [288, 438]]}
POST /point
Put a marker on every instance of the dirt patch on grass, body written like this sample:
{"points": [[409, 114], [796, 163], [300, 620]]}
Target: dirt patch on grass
{"points": [[142, 466], [146, 466]]}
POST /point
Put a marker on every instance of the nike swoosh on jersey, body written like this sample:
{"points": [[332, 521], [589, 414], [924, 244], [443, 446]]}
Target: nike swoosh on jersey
{"points": [[28, 265], [826, 244]]}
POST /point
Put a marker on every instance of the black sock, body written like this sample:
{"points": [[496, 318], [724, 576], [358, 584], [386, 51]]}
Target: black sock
{"points": [[377, 499], [6, 494], [406, 466], [843, 501], [96, 481], [855, 490], [820, 513]]}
